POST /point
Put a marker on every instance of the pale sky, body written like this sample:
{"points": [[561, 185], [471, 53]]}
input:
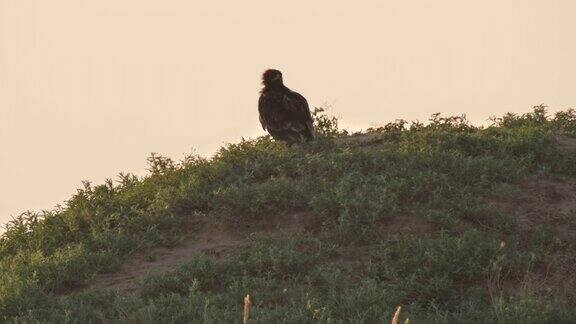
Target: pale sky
{"points": [[89, 88]]}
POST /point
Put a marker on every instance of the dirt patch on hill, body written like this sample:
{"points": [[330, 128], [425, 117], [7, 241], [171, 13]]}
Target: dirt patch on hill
{"points": [[567, 143], [546, 205], [543, 202], [396, 226], [208, 240], [212, 238], [217, 238], [356, 257]]}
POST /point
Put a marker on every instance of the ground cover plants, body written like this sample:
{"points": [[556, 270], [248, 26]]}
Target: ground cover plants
{"points": [[456, 223]]}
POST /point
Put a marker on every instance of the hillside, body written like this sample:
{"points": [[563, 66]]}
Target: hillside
{"points": [[456, 223]]}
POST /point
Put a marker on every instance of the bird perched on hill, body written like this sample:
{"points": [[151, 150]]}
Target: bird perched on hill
{"points": [[284, 113]]}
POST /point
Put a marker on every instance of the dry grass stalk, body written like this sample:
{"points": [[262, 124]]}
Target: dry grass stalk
{"points": [[396, 315], [247, 304]]}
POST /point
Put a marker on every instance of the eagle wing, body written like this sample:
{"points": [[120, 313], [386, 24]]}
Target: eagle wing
{"points": [[261, 105], [268, 105], [297, 105], [285, 115]]}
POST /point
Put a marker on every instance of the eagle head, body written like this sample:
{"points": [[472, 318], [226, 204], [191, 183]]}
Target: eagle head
{"points": [[271, 77]]}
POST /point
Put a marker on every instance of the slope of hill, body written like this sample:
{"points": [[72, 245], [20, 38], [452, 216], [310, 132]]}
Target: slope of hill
{"points": [[458, 224]]}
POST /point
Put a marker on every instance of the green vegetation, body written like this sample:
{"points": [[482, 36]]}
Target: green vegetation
{"points": [[427, 216]]}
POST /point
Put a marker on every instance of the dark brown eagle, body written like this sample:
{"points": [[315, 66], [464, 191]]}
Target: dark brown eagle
{"points": [[283, 112]]}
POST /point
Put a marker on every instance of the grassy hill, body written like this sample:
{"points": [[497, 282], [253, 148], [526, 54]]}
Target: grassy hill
{"points": [[456, 223]]}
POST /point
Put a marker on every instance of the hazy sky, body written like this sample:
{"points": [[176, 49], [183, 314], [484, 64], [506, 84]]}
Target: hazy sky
{"points": [[90, 88]]}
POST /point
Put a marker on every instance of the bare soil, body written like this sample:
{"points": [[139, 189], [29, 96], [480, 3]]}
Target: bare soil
{"points": [[212, 238], [216, 240], [207, 240], [539, 205], [543, 203]]}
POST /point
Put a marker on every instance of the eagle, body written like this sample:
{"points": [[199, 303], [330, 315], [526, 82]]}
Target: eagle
{"points": [[284, 113]]}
